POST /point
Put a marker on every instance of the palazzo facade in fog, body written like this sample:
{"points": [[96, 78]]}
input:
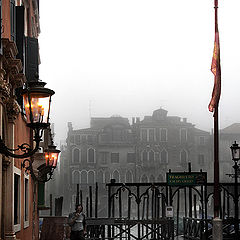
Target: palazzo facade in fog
{"points": [[140, 151]]}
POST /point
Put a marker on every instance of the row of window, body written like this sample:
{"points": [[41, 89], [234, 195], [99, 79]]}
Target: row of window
{"points": [[162, 157], [146, 156], [89, 177], [103, 156], [161, 134], [146, 135], [84, 177], [78, 139], [17, 200]]}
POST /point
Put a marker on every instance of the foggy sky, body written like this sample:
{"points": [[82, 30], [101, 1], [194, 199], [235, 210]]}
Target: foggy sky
{"points": [[130, 57]]}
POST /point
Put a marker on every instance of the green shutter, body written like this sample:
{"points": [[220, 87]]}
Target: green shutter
{"points": [[41, 194]]}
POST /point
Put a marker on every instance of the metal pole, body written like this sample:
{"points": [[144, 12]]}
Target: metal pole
{"points": [[216, 166], [236, 227]]}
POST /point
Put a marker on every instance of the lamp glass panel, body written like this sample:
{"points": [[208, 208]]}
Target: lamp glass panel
{"points": [[39, 107], [236, 154], [51, 159]]}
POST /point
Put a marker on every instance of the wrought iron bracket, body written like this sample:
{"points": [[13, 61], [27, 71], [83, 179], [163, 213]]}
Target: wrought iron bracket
{"points": [[45, 172], [25, 149]]}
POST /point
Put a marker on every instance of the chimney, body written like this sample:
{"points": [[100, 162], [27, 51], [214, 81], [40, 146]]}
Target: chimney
{"points": [[70, 128], [133, 120]]}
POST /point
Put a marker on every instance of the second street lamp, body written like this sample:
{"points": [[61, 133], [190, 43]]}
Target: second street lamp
{"points": [[235, 149], [46, 169]]}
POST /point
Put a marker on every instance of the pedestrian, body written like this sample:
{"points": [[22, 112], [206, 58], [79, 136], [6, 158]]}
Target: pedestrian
{"points": [[78, 224]]}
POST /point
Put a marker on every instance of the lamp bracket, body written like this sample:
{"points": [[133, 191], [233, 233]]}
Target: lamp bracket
{"points": [[45, 173], [25, 148]]}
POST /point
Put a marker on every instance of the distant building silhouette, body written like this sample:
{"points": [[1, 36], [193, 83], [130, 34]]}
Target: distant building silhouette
{"points": [[142, 151]]}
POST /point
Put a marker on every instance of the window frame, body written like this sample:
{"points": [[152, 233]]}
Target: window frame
{"points": [[94, 155], [185, 138], [181, 162], [154, 135], [161, 139], [118, 157], [134, 157], [17, 227], [79, 155], [26, 222], [161, 160]]}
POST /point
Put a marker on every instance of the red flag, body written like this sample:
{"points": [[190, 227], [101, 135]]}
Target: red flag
{"points": [[216, 70]]}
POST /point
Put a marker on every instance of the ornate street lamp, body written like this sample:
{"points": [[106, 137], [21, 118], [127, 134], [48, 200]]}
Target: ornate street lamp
{"points": [[37, 101], [45, 171], [235, 148], [51, 156]]}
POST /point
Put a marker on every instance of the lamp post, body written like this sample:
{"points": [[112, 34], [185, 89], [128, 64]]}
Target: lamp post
{"points": [[37, 101], [235, 149]]}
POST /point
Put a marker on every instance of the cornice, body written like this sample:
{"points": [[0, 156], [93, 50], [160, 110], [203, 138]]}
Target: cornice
{"points": [[12, 108], [9, 48]]}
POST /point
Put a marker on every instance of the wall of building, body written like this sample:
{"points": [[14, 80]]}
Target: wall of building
{"points": [[17, 221]]}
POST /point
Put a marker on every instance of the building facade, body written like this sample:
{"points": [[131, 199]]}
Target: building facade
{"points": [[19, 60], [142, 151], [227, 137]]}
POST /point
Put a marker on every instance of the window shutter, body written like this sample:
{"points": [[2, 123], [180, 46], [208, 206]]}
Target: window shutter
{"points": [[41, 194], [20, 45], [20, 32], [1, 27], [13, 20], [31, 61]]}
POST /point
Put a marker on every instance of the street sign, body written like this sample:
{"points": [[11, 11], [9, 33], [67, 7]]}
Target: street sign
{"points": [[186, 179]]}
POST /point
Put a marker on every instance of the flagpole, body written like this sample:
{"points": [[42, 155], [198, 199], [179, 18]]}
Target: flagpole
{"points": [[216, 193], [216, 140]]}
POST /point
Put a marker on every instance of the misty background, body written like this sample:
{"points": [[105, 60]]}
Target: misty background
{"points": [[131, 57]]}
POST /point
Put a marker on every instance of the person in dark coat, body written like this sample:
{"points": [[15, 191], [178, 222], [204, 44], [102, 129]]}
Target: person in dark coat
{"points": [[77, 222]]}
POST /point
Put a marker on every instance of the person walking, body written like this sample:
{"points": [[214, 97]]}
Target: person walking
{"points": [[78, 224]]}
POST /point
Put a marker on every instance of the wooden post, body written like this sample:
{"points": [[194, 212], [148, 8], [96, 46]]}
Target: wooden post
{"points": [[96, 200], [87, 210], [51, 207], [81, 198], [90, 197], [77, 195], [195, 205], [190, 193]]}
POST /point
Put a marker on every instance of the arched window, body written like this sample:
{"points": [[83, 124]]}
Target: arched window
{"points": [[116, 176], [144, 157], [152, 179], [91, 155], [76, 155], [91, 177], [144, 179], [157, 157], [75, 177], [100, 177], [151, 156], [164, 157], [129, 177], [183, 157], [163, 135], [107, 177], [84, 177]]}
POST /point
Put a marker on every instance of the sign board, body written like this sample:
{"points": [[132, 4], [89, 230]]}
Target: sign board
{"points": [[169, 211], [186, 179]]}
